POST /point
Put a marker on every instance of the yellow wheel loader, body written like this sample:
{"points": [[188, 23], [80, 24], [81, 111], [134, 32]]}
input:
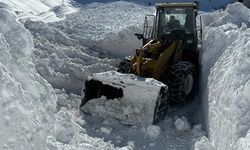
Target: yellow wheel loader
{"points": [[169, 55]]}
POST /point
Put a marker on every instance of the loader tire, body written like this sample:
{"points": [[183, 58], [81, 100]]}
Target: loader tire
{"points": [[180, 80], [124, 66]]}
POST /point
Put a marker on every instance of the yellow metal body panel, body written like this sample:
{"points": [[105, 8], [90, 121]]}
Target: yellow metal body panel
{"points": [[154, 64], [141, 65], [157, 62], [148, 67], [165, 59], [154, 47], [139, 61]]}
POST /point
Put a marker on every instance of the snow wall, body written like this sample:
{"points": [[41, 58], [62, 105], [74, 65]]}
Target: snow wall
{"points": [[31, 118], [225, 55], [27, 101], [226, 78], [39, 10], [90, 41]]}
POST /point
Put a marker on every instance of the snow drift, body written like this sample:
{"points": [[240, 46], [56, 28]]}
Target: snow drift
{"points": [[66, 52], [30, 119], [226, 77], [43, 10], [106, 28], [86, 42], [27, 100], [205, 5]]}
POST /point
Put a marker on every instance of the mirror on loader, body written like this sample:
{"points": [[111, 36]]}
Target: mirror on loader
{"points": [[139, 36], [148, 29]]}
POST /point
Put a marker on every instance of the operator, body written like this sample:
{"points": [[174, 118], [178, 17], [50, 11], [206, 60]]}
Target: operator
{"points": [[173, 23]]}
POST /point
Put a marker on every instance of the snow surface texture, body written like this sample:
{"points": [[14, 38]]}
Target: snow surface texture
{"points": [[182, 124], [137, 104], [61, 60], [204, 4], [71, 134], [70, 50], [106, 28], [226, 61], [28, 102], [43, 10]]}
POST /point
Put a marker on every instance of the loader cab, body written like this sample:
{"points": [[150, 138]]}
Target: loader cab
{"points": [[170, 17], [175, 22], [178, 18]]}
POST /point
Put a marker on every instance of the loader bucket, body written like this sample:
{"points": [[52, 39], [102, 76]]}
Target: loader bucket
{"points": [[125, 97]]}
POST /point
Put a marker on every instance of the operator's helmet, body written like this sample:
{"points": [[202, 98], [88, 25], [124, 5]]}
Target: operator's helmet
{"points": [[172, 18]]}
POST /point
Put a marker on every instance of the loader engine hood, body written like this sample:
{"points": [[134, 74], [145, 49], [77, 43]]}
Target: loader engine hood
{"points": [[124, 97]]}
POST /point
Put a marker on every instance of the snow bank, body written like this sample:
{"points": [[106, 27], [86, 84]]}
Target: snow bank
{"points": [[27, 100], [204, 4], [105, 28], [61, 60], [226, 76], [44, 10], [243, 143], [70, 50]]}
